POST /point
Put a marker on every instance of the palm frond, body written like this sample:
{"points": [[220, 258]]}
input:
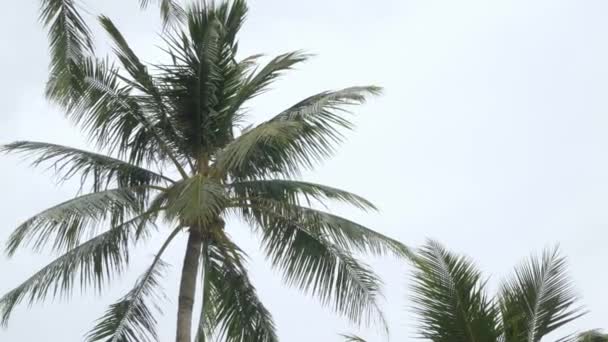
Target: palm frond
{"points": [[592, 336], [241, 159], [69, 40], [131, 319], [232, 16], [345, 233], [99, 169], [352, 338], [538, 299], [292, 192], [318, 267], [232, 311], [142, 80], [257, 83], [69, 221], [90, 264], [349, 234], [156, 127], [105, 109], [449, 298], [299, 137]]}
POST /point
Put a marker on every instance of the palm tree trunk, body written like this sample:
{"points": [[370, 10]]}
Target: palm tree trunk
{"points": [[202, 324], [187, 288]]}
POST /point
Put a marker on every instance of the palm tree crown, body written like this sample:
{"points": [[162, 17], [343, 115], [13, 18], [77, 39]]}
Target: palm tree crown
{"points": [[452, 304], [185, 118]]}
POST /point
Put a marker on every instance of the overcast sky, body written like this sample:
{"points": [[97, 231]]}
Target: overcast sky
{"points": [[491, 138]]}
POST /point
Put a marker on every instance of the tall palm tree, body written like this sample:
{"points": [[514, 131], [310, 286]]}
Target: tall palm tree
{"points": [[173, 150], [452, 304]]}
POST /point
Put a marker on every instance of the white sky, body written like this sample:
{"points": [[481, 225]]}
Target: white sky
{"points": [[490, 138]]}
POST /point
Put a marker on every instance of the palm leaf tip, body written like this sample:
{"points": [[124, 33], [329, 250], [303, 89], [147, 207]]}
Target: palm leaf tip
{"points": [[131, 319], [540, 289], [69, 40], [232, 311], [317, 266], [449, 297], [352, 338]]}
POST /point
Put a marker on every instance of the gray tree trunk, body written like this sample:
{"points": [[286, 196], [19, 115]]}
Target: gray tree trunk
{"points": [[187, 288]]}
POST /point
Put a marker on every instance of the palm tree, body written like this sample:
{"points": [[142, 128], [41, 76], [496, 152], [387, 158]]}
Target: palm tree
{"points": [[173, 150], [452, 303]]}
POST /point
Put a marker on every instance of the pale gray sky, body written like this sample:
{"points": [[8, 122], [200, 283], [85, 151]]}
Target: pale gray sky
{"points": [[491, 137]]}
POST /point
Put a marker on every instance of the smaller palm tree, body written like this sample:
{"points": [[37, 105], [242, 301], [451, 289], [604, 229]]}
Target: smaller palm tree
{"points": [[451, 301]]}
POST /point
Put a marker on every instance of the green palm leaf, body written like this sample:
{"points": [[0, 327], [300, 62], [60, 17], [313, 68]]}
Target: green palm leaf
{"points": [[450, 300], [292, 192], [232, 311], [70, 220], [131, 319], [257, 83], [592, 336], [69, 39], [299, 137], [91, 263], [346, 234], [97, 168], [152, 135], [318, 267], [352, 338], [538, 299]]}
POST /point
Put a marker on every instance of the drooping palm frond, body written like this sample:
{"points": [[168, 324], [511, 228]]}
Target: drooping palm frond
{"points": [[257, 83], [131, 319], [345, 233], [591, 336], [232, 311], [65, 224], [90, 264], [352, 338], [105, 109], [350, 235], [292, 192], [321, 268], [297, 138], [98, 169], [538, 299], [156, 133], [69, 40], [450, 300]]}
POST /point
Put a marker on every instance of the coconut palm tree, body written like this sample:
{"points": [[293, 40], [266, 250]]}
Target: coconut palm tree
{"points": [[452, 304], [173, 151]]}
